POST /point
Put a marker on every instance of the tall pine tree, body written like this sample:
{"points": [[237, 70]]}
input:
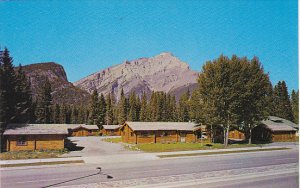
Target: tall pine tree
{"points": [[24, 108], [295, 105], [102, 110], [7, 88], [94, 109], [282, 102], [44, 103], [122, 109]]}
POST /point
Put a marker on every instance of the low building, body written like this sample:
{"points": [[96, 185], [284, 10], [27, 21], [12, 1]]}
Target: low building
{"points": [[83, 130], [160, 132], [236, 135], [274, 129], [20, 137], [111, 130]]}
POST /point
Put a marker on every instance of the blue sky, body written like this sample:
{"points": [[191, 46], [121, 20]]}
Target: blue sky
{"points": [[87, 36]]}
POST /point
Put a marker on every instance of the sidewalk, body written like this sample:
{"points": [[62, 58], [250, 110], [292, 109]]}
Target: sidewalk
{"points": [[25, 161], [221, 150]]}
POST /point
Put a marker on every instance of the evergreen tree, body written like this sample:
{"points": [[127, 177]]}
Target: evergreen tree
{"points": [[109, 110], [23, 98], [102, 110], [7, 88], [114, 108], [44, 103], [74, 115], [122, 109], [295, 105], [143, 112], [132, 116], [138, 108], [173, 112], [94, 109], [184, 107], [63, 114], [282, 102], [56, 114]]}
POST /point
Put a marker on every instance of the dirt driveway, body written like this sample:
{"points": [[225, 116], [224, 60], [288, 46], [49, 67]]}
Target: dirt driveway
{"points": [[91, 146]]}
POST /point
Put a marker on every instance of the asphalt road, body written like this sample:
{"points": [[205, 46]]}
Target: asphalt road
{"points": [[257, 169]]}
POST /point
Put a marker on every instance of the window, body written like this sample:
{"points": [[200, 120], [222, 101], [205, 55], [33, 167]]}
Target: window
{"points": [[164, 133], [131, 134], [22, 141], [145, 134]]}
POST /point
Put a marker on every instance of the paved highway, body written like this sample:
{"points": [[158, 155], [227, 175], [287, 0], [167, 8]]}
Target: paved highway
{"points": [[255, 169]]}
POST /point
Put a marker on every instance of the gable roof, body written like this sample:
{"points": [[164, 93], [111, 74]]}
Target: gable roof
{"points": [[25, 129], [107, 127], [279, 124], [155, 126], [89, 127]]}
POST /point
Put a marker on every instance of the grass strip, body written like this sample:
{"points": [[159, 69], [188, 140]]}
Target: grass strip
{"points": [[41, 163], [220, 152], [113, 140]]}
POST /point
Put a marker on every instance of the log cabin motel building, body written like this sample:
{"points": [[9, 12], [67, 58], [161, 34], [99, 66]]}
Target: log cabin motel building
{"points": [[21, 137], [160, 132]]}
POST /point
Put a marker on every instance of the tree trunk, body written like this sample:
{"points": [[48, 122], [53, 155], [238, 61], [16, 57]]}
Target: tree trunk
{"points": [[211, 134], [250, 134], [226, 136]]}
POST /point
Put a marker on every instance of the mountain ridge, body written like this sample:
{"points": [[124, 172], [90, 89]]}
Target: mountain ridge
{"points": [[163, 72], [63, 91]]}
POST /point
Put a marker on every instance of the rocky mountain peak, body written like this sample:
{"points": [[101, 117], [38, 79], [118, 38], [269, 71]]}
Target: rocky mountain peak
{"points": [[163, 72], [63, 91]]}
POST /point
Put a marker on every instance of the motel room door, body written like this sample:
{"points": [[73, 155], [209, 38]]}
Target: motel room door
{"points": [[182, 137]]}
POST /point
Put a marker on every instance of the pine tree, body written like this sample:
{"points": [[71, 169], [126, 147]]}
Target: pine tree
{"points": [[63, 114], [143, 112], [94, 109], [74, 115], [173, 112], [23, 99], [44, 103], [7, 88], [295, 105], [109, 117], [56, 114], [282, 102], [102, 110], [184, 107], [138, 108], [122, 109], [132, 107]]}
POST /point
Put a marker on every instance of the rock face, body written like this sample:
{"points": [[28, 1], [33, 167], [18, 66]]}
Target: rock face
{"points": [[163, 72], [63, 91]]}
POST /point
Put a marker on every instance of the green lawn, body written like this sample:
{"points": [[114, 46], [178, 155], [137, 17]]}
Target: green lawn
{"points": [[113, 140], [158, 147], [31, 154]]}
